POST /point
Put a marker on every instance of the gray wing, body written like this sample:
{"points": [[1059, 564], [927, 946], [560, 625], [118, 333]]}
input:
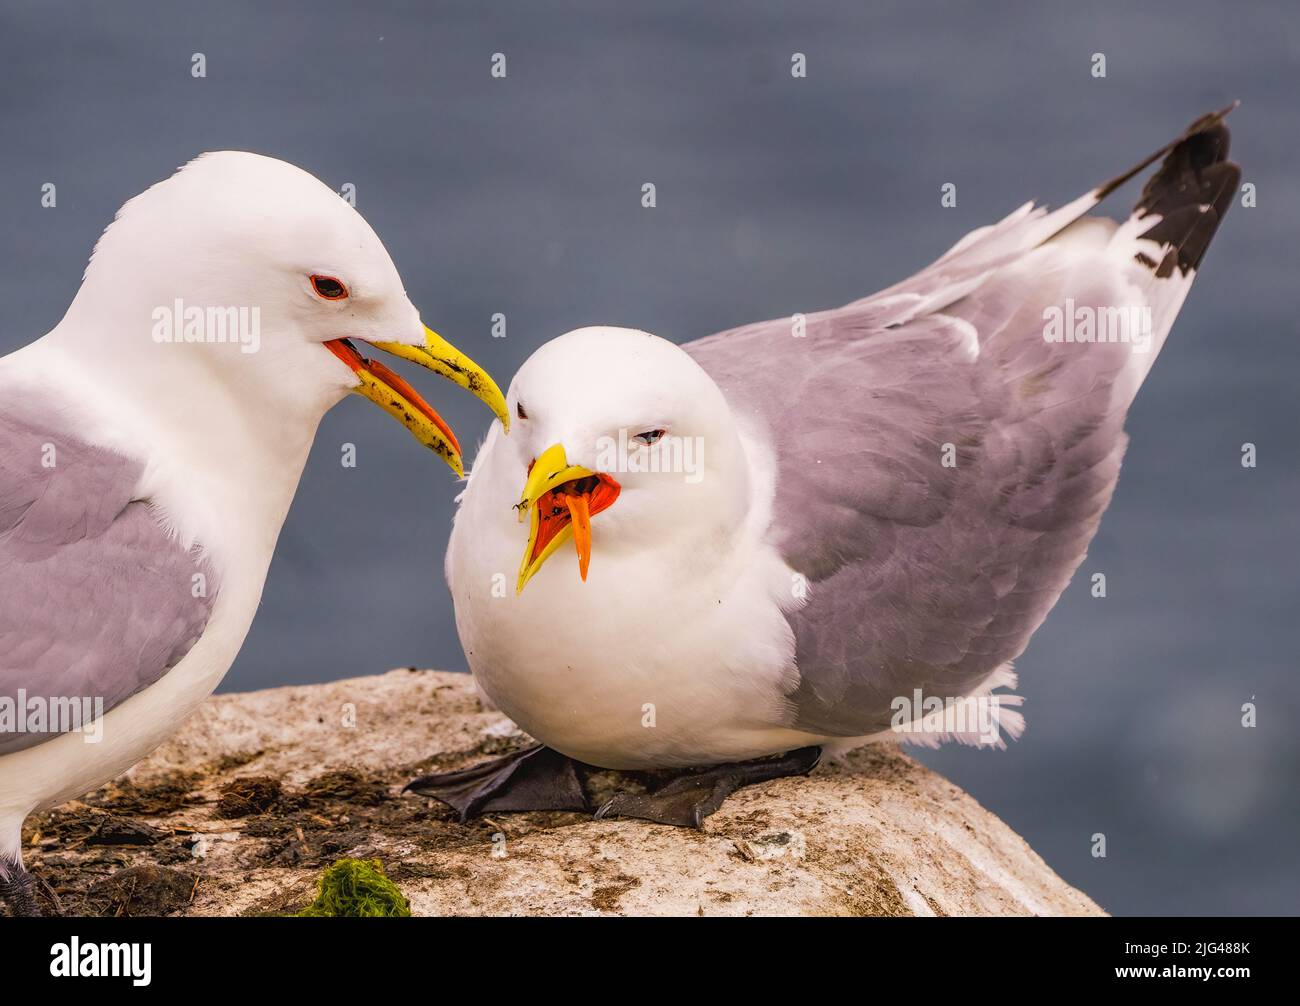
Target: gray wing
{"points": [[920, 574], [96, 600]]}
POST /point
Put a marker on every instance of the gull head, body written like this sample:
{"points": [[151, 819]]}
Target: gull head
{"points": [[621, 442], [244, 278]]}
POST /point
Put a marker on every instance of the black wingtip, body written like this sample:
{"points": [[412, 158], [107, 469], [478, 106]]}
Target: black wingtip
{"points": [[1204, 124], [1190, 192]]}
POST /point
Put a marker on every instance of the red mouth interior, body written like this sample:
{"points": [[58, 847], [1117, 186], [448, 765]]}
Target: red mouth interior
{"points": [[557, 507], [345, 351]]}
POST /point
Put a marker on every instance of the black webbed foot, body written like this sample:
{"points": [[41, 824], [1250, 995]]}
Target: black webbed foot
{"points": [[687, 800], [536, 778]]}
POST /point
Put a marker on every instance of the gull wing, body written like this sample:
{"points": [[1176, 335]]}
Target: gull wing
{"points": [[941, 465], [97, 600]]}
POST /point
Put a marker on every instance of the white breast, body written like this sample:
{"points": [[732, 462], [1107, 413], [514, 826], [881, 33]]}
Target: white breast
{"points": [[663, 657]]}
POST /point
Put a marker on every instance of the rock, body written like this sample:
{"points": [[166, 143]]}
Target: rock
{"points": [[259, 792]]}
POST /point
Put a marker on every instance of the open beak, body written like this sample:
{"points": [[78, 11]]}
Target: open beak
{"points": [[392, 394], [560, 500]]}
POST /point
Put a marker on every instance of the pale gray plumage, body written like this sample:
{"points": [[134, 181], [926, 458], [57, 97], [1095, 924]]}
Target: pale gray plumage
{"points": [[97, 600], [932, 577], [926, 576]]}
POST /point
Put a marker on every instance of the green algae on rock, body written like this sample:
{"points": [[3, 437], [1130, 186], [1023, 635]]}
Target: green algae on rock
{"points": [[357, 888]]}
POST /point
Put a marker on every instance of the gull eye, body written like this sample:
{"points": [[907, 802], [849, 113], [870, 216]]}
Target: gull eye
{"points": [[329, 288], [650, 437], [519, 410]]}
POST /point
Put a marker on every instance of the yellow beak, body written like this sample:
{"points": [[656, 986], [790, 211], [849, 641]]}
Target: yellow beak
{"points": [[560, 500], [440, 356], [396, 397]]}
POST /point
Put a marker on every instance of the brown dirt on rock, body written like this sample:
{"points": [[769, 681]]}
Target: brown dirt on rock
{"points": [[254, 794], [171, 793], [141, 891], [605, 898], [114, 830], [347, 785]]}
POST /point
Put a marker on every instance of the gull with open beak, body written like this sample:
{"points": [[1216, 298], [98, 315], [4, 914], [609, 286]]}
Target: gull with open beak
{"points": [[560, 499], [150, 446], [816, 531]]}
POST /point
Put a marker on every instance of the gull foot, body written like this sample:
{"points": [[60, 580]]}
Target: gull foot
{"points": [[18, 891], [536, 778], [687, 800]]}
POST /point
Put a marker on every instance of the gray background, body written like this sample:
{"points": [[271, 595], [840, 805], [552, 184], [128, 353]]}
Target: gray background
{"points": [[775, 195]]}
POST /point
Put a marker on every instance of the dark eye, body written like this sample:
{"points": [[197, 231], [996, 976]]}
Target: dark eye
{"points": [[519, 410], [650, 437], [329, 288]]}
